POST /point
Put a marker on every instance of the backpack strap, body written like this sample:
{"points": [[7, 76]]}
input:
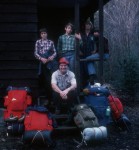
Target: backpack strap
{"points": [[38, 132], [80, 143]]}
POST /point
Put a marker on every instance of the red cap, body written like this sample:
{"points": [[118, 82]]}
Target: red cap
{"points": [[63, 60]]}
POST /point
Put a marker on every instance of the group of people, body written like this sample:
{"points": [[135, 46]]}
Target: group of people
{"points": [[57, 65]]}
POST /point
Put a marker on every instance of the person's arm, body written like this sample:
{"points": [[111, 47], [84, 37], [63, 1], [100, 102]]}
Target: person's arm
{"points": [[73, 85], [54, 83], [36, 53], [54, 53], [55, 88], [79, 37], [59, 45]]}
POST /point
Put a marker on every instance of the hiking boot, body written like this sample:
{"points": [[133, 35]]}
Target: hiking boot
{"points": [[11, 119]]}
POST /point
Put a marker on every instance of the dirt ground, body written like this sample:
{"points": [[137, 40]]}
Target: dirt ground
{"points": [[117, 140]]}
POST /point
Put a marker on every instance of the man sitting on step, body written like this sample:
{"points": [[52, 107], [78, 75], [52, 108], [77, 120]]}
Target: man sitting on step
{"points": [[64, 86]]}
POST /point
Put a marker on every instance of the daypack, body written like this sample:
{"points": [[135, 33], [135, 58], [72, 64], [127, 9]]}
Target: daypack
{"points": [[16, 101], [97, 100], [116, 107], [38, 126], [85, 117]]}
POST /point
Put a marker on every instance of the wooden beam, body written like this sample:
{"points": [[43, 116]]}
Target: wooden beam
{"points": [[101, 44], [77, 59]]}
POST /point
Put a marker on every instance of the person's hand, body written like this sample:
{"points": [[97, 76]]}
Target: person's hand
{"points": [[51, 58], [44, 60], [63, 94], [66, 91], [78, 36]]}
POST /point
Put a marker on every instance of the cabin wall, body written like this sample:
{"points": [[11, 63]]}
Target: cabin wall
{"points": [[18, 33]]}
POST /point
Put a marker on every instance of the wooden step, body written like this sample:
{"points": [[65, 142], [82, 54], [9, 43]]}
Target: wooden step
{"points": [[66, 128]]}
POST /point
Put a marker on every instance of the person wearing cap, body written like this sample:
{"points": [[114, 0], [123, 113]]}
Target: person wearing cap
{"points": [[66, 45], [64, 85], [87, 48], [45, 52]]}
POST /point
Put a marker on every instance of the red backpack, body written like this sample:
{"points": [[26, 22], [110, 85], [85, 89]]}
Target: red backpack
{"points": [[116, 107], [38, 126], [16, 101], [37, 121]]}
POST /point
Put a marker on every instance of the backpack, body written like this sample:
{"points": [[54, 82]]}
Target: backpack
{"points": [[85, 117], [38, 126], [97, 100], [116, 107], [16, 101]]}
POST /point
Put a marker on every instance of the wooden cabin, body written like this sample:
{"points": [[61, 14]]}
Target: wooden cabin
{"points": [[20, 21]]}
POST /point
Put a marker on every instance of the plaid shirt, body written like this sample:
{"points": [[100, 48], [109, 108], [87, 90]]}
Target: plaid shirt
{"points": [[66, 43], [44, 48]]}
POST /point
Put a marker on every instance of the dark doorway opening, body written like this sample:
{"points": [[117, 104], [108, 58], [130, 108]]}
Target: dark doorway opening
{"points": [[54, 19]]}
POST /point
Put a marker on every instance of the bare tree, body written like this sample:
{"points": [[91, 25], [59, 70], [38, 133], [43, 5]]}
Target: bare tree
{"points": [[121, 27]]}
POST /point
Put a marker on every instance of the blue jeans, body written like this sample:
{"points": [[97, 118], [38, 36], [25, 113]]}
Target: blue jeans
{"points": [[70, 56], [91, 64]]}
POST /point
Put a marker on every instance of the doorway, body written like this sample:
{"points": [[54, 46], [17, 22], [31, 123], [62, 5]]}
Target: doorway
{"points": [[54, 20]]}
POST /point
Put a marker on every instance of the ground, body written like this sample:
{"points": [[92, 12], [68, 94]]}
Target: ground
{"points": [[116, 140]]}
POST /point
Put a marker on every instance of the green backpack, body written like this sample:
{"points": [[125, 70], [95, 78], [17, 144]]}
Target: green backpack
{"points": [[85, 117]]}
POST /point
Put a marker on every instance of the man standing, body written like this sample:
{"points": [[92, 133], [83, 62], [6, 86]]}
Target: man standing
{"points": [[87, 49], [45, 52], [66, 45], [64, 86]]}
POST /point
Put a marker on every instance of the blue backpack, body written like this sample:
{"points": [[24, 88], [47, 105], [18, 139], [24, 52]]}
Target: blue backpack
{"points": [[97, 99]]}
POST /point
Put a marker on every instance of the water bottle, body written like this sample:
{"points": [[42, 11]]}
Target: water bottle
{"points": [[108, 111]]}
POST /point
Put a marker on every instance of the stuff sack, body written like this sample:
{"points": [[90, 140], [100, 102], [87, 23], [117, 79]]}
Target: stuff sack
{"points": [[85, 117], [124, 123], [38, 126], [116, 107], [99, 104], [16, 101], [94, 134]]}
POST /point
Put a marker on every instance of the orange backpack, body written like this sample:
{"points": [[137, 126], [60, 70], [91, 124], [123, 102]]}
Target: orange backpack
{"points": [[16, 101]]}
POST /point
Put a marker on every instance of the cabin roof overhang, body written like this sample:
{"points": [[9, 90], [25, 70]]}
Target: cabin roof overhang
{"points": [[92, 4]]}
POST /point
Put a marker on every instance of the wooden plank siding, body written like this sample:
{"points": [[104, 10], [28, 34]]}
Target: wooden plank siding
{"points": [[18, 33]]}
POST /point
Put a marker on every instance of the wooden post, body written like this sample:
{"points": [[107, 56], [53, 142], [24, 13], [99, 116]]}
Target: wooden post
{"points": [[101, 44], [77, 59]]}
